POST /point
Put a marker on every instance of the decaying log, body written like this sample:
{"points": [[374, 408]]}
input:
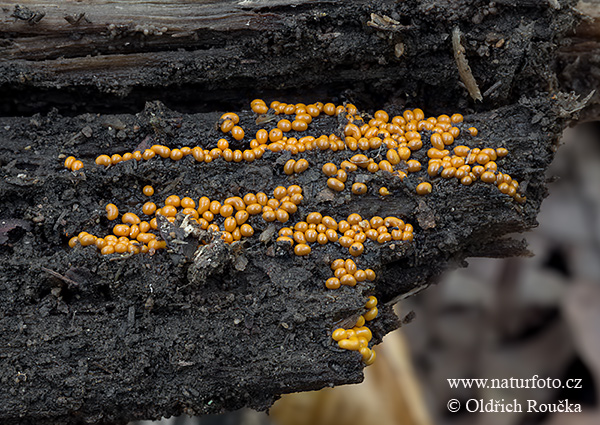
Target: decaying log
{"points": [[578, 62], [92, 56], [87, 338]]}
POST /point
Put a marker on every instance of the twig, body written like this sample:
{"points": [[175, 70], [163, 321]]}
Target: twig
{"points": [[60, 276], [464, 71]]}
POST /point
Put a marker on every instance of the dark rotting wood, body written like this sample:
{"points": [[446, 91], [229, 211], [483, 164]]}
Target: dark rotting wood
{"points": [[147, 336]]}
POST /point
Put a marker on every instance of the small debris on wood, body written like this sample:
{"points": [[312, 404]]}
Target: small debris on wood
{"points": [[385, 23], [70, 282], [466, 75], [10, 224], [77, 19], [25, 14]]}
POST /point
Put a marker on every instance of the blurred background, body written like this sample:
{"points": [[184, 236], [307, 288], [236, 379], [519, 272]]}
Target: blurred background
{"points": [[515, 317]]}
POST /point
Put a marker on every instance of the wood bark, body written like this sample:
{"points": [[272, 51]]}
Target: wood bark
{"points": [[86, 339], [578, 61]]}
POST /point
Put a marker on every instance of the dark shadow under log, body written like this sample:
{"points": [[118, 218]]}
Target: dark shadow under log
{"points": [[106, 339]]}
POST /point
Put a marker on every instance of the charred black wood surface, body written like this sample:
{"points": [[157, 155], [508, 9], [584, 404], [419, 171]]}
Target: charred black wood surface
{"points": [[90, 339]]}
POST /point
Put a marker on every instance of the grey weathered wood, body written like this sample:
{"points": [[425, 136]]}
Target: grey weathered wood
{"points": [[579, 61]]}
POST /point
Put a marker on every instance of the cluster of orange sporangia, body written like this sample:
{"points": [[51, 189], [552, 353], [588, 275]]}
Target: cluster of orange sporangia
{"points": [[229, 218], [358, 337], [351, 233], [399, 137], [377, 144], [73, 164]]}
